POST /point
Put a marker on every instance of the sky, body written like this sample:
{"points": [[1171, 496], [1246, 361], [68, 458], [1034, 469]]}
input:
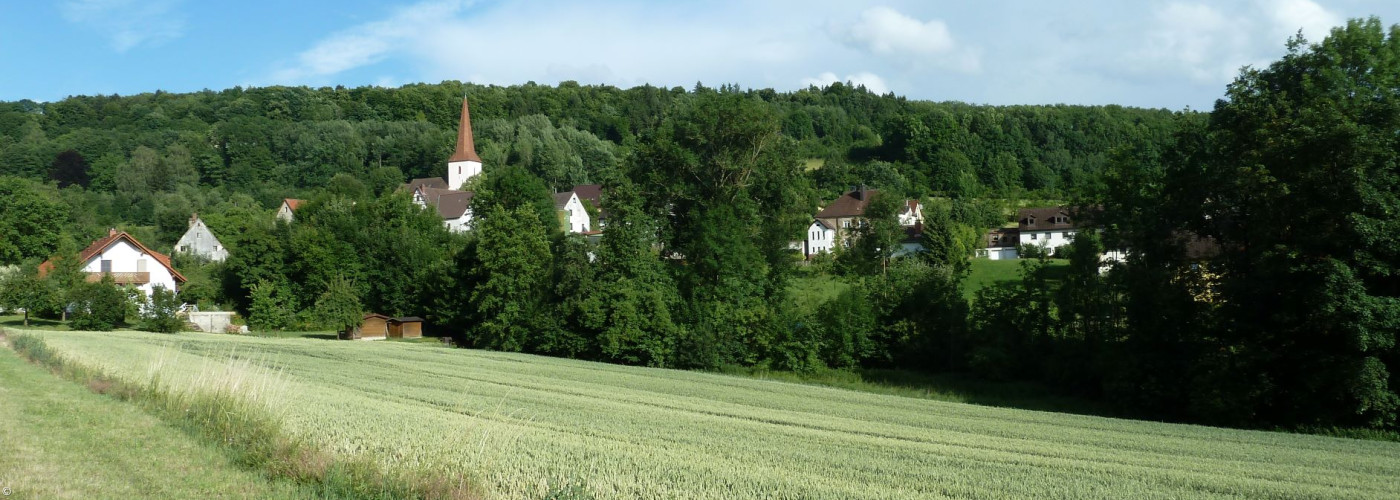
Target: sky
{"points": [[1145, 53]]}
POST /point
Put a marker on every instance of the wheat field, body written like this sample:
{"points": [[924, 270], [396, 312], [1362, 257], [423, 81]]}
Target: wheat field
{"points": [[524, 426]]}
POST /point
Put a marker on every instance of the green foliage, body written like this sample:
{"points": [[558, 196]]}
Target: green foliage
{"points": [[161, 314], [30, 222], [21, 289], [339, 308], [97, 306], [512, 286], [271, 306]]}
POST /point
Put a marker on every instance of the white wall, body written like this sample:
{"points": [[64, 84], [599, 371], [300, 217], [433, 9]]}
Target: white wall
{"points": [[284, 212], [458, 172], [461, 224], [820, 239], [577, 216], [126, 258], [1048, 239]]}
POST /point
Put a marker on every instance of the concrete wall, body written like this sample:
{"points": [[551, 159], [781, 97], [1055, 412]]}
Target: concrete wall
{"points": [[213, 322]]}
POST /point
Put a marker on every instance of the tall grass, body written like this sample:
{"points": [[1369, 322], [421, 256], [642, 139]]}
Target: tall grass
{"points": [[228, 404]]}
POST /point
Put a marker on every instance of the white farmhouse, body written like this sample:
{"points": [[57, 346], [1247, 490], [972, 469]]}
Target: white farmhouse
{"points": [[127, 261], [200, 241], [1048, 227], [571, 208]]}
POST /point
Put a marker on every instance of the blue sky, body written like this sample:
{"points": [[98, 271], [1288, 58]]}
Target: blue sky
{"points": [[1169, 54]]}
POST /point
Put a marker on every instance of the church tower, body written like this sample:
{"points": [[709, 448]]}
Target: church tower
{"points": [[464, 163]]}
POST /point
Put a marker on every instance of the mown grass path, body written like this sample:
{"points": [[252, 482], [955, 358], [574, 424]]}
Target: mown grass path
{"points": [[60, 440], [525, 425]]}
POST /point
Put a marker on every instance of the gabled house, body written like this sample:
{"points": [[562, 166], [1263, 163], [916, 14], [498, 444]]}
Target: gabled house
{"points": [[847, 213], [571, 210], [455, 207], [592, 196], [127, 261], [200, 241], [1046, 227], [287, 211]]}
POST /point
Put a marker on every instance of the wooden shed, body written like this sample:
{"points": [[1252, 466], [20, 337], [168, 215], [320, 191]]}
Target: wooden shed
{"points": [[374, 326], [406, 327]]}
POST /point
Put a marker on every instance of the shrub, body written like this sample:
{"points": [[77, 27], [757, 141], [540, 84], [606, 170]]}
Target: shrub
{"points": [[162, 314], [99, 306]]}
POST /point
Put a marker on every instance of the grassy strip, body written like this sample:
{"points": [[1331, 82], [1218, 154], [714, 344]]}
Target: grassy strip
{"points": [[253, 437]]}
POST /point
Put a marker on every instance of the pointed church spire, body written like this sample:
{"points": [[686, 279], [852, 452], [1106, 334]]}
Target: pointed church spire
{"points": [[466, 147]]}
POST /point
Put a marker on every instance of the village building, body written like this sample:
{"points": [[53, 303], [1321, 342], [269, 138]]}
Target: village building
{"points": [[127, 262], [835, 223], [199, 241], [406, 327], [591, 195], [1048, 227], [574, 217], [1000, 244], [452, 203], [287, 211]]}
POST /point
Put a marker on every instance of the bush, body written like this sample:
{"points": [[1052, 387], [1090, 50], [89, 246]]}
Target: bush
{"points": [[162, 314], [99, 306]]}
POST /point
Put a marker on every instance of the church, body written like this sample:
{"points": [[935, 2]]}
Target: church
{"points": [[454, 204], [447, 196]]}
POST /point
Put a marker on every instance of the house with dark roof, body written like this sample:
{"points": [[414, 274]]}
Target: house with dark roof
{"points": [[847, 213], [127, 262], [1046, 227]]}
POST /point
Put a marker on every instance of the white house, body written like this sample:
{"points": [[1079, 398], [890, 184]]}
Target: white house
{"points": [[200, 241], [1047, 227], [847, 213], [911, 214], [455, 207], [127, 261], [820, 239], [575, 216], [288, 209]]}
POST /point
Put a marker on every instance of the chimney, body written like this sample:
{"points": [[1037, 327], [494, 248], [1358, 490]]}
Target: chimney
{"points": [[860, 194], [111, 231], [194, 217]]}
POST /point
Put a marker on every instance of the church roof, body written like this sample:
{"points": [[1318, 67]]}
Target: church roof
{"points": [[432, 182], [466, 147]]}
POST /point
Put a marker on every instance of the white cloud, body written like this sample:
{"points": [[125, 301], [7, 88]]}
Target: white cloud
{"points": [[1289, 16], [1197, 40], [367, 43], [871, 81], [883, 31], [127, 23]]}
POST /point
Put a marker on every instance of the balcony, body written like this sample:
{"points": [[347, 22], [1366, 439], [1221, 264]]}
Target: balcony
{"points": [[139, 278]]}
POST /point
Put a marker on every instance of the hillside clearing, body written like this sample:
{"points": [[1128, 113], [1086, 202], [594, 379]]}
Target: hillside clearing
{"points": [[527, 425]]}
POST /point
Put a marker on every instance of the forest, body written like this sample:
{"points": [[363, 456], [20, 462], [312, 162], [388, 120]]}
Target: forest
{"points": [[1287, 321]]}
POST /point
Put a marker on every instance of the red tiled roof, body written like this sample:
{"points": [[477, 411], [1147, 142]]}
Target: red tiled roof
{"points": [[466, 147], [112, 237], [293, 203]]}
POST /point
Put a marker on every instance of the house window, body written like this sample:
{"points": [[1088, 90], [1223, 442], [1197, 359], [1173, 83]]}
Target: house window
{"points": [[1033, 236], [106, 266], [141, 266], [846, 223], [1066, 235]]}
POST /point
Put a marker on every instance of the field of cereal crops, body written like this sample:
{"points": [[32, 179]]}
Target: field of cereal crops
{"points": [[525, 425]]}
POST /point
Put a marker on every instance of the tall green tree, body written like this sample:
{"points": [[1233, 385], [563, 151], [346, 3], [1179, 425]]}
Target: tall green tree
{"points": [[30, 222], [511, 292]]}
